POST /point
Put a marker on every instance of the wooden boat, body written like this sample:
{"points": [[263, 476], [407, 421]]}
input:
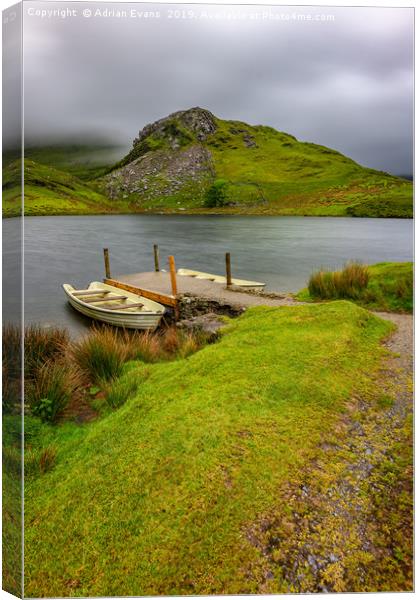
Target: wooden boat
{"points": [[220, 278], [114, 306]]}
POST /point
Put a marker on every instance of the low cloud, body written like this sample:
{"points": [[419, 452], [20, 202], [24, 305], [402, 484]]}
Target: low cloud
{"points": [[345, 83]]}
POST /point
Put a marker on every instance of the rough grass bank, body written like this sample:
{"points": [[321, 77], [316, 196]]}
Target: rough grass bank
{"points": [[160, 495]]}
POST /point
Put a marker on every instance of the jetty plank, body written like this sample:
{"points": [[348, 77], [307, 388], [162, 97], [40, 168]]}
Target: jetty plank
{"points": [[160, 283], [165, 299]]}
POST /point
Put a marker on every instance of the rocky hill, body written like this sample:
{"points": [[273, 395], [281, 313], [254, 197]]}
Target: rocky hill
{"points": [[195, 162]]}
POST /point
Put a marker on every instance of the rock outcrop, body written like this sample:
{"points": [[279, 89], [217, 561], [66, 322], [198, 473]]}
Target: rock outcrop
{"points": [[168, 159]]}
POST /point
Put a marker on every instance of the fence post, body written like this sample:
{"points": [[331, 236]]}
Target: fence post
{"points": [[228, 270], [156, 257], [107, 268]]}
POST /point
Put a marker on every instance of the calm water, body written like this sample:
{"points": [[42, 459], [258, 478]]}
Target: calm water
{"points": [[282, 251]]}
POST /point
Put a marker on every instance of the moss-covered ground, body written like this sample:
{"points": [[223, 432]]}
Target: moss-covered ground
{"points": [[160, 496]]}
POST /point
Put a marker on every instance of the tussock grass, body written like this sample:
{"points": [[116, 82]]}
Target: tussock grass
{"points": [[42, 344], [384, 286], [51, 389], [11, 368], [100, 355], [55, 368], [117, 392], [143, 345], [348, 283], [39, 461]]}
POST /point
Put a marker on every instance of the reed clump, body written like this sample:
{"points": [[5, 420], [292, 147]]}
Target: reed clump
{"points": [[43, 344], [57, 369], [51, 388], [351, 282], [119, 391], [100, 355], [39, 345]]}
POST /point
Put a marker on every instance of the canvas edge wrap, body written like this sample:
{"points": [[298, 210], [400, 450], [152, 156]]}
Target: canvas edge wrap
{"points": [[12, 386]]}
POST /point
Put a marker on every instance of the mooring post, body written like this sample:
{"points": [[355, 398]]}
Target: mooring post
{"points": [[228, 270], [172, 270], [156, 255], [106, 260]]}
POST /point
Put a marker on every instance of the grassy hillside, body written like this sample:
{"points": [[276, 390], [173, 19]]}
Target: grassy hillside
{"points": [[161, 496], [385, 286], [49, 191], [176, 160], [285, 176], [191, 161], [86, 161]]}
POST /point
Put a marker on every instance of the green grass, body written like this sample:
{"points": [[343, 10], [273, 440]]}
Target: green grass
{"points": [[12, 505], [389, 288], [266, 172], [276, 175], [157, 496], [49, 191], [83, 160]]}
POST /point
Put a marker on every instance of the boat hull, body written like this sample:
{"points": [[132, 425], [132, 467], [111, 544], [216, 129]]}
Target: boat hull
{"points": [[144, 319]]}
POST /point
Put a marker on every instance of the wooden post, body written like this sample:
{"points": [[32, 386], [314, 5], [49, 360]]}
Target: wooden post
{"points": [[107, 268], [156, 255], [172, 270], [228, 270]]}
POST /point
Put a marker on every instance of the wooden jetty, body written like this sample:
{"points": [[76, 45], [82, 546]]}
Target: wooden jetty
{"points": [[168, 287]]}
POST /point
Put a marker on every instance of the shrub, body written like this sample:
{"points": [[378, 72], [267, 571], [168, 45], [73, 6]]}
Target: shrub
{"points": [[216, 195], [351, 282], [52, 387], [101, 354]]}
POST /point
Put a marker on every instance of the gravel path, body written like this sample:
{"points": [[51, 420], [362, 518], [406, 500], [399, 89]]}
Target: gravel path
{"points": [[351, 525], [402, 340]]}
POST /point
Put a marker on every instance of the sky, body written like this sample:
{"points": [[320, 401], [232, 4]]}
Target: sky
{"points": [[341, 78]]}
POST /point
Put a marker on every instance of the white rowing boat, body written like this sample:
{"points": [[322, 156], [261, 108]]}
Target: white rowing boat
{"points": [[220, 278], [114, 306]]}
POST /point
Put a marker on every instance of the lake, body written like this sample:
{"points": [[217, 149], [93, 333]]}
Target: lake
{"points": [[281, 251]]}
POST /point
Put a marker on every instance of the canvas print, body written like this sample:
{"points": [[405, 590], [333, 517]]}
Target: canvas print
{"points": [[207, 299]]}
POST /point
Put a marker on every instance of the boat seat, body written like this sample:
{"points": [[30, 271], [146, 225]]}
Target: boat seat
{"points": [[90, 292], [106, 299], [122, 306]]}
